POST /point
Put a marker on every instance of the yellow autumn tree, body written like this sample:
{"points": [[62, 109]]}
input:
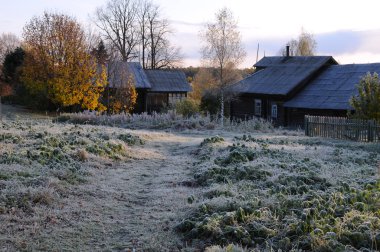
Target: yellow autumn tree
{"points": [[58, 65], [203, 81], [123, 98]]}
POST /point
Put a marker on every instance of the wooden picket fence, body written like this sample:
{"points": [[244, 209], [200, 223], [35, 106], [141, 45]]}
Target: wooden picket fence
{"points": [[342, 128]]}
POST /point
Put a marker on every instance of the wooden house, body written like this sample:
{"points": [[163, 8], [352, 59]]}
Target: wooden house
{"points": [[156, 89], [285, 89], [275, 81], [329, 93]]}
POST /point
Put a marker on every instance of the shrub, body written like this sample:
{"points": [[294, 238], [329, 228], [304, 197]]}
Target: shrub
{"points": [[210, 103], [187, 107], [210, 140], [367, 102]]}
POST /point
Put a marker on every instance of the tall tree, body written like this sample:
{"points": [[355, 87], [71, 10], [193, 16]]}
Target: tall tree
{"points": [[100, 53], [161, 54], [8, 43], [12, 64], [367, 102], [145, 10], [203, 81], [117, 20], [305, 45], [223, 49], [57, 64], [136, 29]]}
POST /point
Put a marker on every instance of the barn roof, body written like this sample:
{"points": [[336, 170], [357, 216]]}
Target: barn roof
{"points": [[119, 71], [333, 88], [154, 80], [168, 81], [281, 75]]}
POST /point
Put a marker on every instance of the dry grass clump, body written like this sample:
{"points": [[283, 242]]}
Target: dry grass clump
{"points": [[82, 155], [229, 248], [294, 193]]}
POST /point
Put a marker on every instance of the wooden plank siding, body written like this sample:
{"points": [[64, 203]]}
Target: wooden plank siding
{"points": [[342, 128], [243, 108], [159, 101]]}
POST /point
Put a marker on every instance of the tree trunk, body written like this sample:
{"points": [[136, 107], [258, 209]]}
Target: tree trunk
{"points": [[221, 96], [222, 109], [1, 112], [143, 46]]}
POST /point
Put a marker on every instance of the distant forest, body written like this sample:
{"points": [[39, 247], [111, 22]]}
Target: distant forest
{"points": [[191, 72]]}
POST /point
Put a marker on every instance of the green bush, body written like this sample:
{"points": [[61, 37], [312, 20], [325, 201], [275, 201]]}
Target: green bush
{"points": [[187, 107], [210, 103]]}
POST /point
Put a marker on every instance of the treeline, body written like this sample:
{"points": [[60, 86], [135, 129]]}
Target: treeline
{"points": [[60, 65]]}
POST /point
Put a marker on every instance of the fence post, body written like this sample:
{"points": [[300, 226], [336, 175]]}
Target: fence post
{"points": [[306, 125], [370, 136]]}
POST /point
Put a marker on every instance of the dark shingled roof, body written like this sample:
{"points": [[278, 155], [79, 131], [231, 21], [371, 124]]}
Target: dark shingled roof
{"points": [[333, 88], [154, 80], [168, 81], [280, 75], [119, 71]]}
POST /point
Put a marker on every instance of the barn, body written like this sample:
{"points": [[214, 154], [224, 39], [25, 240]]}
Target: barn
{"points": [[156, 89]]}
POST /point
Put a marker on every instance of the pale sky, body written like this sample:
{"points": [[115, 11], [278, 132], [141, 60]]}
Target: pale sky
{"points": [[347, 30]]}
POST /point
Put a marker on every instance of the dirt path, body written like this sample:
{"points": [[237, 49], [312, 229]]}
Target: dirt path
{"points": [[138, 203]]}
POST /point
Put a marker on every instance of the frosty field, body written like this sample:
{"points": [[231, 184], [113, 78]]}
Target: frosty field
{"points": [[70, 187]]}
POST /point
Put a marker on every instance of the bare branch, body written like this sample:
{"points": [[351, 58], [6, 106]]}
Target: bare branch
{"points": [[117, 20]]}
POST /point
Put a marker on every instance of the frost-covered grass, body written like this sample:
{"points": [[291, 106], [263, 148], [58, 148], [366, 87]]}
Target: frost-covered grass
{"points": [[268, 192], [91, 187], [170, 120], [42, 167]]}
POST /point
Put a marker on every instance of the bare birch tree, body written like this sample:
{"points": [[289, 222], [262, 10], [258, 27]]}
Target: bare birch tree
{"points": [[223, 49], [117, 20]]}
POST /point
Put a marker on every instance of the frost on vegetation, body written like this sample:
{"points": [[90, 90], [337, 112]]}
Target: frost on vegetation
{"points": [[270, 193], [155, 120], [169, 120], [211, 140], [40, 161], [64, 149]]}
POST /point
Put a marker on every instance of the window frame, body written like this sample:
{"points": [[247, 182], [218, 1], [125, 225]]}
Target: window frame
{"points": [[274, 107], [173, 98], [258, 107]]}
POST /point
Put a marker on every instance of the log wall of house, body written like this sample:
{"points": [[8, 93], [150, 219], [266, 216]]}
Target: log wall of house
{"points": [[244, 108], [160, 101], [156, 102]]}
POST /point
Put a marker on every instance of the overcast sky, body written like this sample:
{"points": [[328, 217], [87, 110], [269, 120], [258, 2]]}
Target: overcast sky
{"points": [[347, 30]]}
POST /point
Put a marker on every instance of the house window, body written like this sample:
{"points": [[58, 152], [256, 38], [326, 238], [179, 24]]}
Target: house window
{"points": [[274, 110], [175, 97], [257, 107]]}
